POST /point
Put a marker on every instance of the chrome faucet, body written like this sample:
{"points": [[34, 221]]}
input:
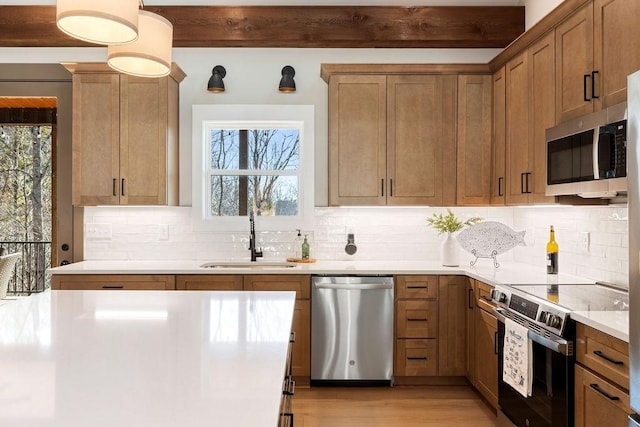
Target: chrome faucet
{"points": [[255, 253]]}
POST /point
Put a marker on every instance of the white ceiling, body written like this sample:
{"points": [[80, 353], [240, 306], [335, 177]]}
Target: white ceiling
{"points": [[297, 2]]}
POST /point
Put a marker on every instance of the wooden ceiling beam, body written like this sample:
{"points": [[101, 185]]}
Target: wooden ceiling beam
{"points": [[297, 26]]}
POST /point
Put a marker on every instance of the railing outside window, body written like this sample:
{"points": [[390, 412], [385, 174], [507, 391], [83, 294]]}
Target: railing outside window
{"points": [[29, 274]]}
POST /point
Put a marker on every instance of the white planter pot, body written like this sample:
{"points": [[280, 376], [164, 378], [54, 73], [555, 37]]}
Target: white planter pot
{"points": [[450, 251]]}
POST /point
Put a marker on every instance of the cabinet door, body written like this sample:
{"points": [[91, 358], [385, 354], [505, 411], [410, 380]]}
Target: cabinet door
{"points": [[143, 141], [421, 140], [542, 113], [474, 140], [470, 314], [498, 147], [574, 61], [301, 284], [357, 140], [452, 325], [129, 282], [209, 282], [96, 135], [597, 402], [486, 356], [615, 29], [517, 130]]}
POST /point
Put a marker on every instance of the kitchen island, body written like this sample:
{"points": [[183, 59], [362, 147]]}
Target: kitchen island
{"points": [[135, 358]]}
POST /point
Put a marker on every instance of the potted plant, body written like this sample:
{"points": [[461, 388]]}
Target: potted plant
{"points": [[450, 224]]}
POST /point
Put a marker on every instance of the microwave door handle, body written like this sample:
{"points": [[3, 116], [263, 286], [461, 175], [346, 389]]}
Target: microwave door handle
{"points": [[596, 150]]}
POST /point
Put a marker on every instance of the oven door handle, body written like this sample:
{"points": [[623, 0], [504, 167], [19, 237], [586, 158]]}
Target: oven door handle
{"points": [[558, 345]]}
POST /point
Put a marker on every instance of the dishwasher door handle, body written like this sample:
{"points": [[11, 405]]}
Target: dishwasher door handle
{"points": [[354, 286]]}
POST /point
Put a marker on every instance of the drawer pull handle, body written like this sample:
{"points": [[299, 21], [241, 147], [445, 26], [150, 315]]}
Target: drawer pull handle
{"points": [[417, 287], [416, 358], [416, 319], [597, 388], [486, 298], [607, 358], [112, 287]]}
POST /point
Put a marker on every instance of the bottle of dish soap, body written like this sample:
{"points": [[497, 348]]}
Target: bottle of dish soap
{"points": [[305, 248]]}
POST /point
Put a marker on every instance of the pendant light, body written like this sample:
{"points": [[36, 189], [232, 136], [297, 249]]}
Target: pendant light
{"points": [[150, 54], [99, 21]]}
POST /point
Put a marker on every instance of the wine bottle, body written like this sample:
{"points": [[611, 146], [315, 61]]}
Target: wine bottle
{"points": [[552, 253], [305, 248]]}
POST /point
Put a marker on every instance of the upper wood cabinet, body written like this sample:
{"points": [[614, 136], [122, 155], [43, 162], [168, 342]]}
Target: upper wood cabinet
{"points": [[357, 139], [474, 157], [530, 105], [593, 58], [409, 134], [391, 139], [498, 139], [125, 137]]}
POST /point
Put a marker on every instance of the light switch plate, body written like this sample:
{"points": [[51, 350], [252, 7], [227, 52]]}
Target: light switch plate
{"points": [[97, 230], [163, 231], [584, 241]]}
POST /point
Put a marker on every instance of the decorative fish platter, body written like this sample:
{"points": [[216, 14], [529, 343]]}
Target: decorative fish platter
{"points": [[490, 238]]}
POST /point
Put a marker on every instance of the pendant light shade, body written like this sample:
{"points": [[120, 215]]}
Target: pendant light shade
{"points": [[99, 21], [150, 54]]}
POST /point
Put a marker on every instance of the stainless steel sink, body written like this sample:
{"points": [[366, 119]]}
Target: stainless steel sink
{"points": [[251, 265]]}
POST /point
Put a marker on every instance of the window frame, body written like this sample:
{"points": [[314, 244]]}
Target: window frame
{"points": [[205, 117]]}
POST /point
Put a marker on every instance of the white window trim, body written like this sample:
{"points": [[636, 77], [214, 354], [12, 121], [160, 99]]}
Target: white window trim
{"points": [[298, 116]]}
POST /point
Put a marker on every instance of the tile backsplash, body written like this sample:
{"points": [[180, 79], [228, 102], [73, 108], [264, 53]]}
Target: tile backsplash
{"points": [[593, 241]]}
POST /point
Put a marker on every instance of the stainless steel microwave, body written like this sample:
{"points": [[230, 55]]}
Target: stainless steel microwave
{"points": [[587, 156]]}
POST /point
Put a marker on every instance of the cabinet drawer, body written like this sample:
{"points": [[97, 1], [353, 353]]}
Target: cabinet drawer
{"points": [[604, 354], [416, 319], [483, 296], [209, 282], [300, 284], [423, 287], [136, 282], [416, 357], [598, 402]]}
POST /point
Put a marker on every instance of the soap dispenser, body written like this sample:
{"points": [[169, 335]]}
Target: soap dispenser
{"points": [[297, 246]]}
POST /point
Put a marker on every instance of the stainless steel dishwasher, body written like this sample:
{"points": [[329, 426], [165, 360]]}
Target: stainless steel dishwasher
{"points": [[352, 329]]}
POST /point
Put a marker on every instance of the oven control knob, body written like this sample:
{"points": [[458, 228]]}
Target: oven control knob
{"points": [[543, 316], [553, 320], [498, 296]]}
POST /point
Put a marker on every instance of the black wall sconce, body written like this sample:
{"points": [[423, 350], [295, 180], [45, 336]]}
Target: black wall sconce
{"points": [[286, 82], [215, 81]]}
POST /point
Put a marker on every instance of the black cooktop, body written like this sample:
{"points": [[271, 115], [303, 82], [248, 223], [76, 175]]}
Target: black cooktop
{"points": [[593, 297]]}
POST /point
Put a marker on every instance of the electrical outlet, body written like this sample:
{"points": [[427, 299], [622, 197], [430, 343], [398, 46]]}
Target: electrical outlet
{"points": [[584, 241], [163, 232], [97, 231]]}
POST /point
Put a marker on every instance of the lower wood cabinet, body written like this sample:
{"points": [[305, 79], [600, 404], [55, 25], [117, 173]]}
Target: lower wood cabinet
{"points": [[416, 357], [129, 282], [301, 284], [452, 325], [598, 402], [209, 282], [601, 379], [486, 354]]}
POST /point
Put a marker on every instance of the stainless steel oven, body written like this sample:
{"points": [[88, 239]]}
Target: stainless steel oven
{"points": [[552, 335]]}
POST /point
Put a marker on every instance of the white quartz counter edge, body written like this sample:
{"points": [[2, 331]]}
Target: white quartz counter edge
{"points": [[614, 323], [507, 274], [514, 273]]}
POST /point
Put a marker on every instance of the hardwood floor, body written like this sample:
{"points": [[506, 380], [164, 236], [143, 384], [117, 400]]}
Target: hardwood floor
{"points": [[394, 407]]}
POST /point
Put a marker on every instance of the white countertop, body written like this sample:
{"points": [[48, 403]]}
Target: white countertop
{"points": [[614, 323], [139, 358], [513, 273]]}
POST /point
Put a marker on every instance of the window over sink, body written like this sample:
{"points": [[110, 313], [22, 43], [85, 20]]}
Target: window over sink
{"points": [[252, 158]]}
